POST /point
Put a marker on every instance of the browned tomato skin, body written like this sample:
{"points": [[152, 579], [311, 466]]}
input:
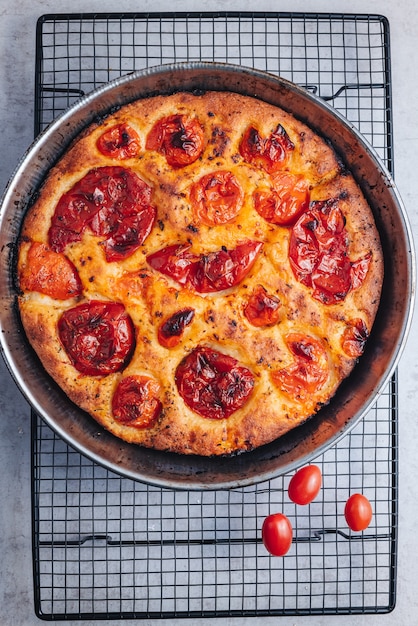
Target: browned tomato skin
{"points": [[136, 401], [179, 137], [213, 384], [98, 337], [50, 273], [354, 338], [119, 142], [216, 198], [262, 309], [114, 203], [206, 273], [318, 253], [170, 332], [271, 153], [224, 269], [308, 372]]}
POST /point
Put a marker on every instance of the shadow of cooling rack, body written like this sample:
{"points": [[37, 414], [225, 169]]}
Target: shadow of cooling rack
{"points": [[108, 547]]}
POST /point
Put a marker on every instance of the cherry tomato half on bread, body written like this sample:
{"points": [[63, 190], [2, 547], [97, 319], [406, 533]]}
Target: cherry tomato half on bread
{"points": [[304, 486], [277, 534], [358, 512]]}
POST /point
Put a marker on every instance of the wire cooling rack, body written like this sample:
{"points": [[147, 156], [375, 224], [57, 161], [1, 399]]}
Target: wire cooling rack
{"points": [[108, 547]]}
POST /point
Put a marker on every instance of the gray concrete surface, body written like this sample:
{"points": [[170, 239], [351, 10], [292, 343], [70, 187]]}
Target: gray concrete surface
{"points": [[17, 45]]}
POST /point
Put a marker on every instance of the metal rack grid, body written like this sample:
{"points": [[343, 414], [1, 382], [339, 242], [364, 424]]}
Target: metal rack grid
{"points": [[107, 547]]}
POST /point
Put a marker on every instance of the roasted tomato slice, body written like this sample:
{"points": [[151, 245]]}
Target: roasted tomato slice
{"points": [[224, 268], [136, 401], [271, 153], [284, 201], [359, 270], [50, 273], [98, 337], [114, 203], [206, 273], [174, 261], [354, 338], [318, 253], [216, 198], [213, 384], [262, 309], [309, 371], [119, 142], [179, 137], [171, 330]]}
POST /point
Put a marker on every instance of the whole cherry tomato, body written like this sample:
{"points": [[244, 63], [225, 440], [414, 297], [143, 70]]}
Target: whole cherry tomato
{"points": [[304, 486], [277, 534], [358, 512]]}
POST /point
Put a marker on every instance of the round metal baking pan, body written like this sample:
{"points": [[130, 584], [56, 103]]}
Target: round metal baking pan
{"points": [[355, 396]]}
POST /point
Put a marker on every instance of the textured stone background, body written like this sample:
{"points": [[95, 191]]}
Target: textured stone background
{"points": [[17, 46]]}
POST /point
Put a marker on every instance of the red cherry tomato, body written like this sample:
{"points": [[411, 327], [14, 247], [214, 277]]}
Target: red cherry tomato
{"points": [[318, 253], [358, 512], [304, 486], [277, 534], [224, 268]]}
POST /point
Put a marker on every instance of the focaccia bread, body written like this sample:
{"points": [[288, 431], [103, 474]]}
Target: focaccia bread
{"points": [[199, 272]]}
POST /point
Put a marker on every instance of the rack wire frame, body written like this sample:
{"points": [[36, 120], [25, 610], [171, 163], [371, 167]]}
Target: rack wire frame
{"points": [[107, 547]]}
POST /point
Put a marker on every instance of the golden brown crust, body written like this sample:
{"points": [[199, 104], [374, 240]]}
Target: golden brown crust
{"points": [[219, 321]]}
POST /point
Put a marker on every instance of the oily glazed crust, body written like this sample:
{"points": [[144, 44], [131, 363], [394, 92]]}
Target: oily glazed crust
{"points": [[219, 321]]}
